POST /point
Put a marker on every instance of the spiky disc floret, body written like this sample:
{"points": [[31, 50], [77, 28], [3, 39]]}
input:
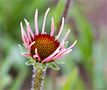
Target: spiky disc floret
{"points": [[45, 45]]}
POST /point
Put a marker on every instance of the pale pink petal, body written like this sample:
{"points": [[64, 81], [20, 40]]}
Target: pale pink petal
{"points": [[31, 44], [66, 35], [68, 51], [51, 56], [65, 51], [52, 28], [61, 28], [63, 41], [24, 35], [62, 46], [62, 54], [29, 31], [36, 54], [36, 22], [43, 27], [72, 45]]}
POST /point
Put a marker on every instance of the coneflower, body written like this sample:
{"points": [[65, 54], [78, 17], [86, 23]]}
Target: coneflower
{"points": [[43, 49]]}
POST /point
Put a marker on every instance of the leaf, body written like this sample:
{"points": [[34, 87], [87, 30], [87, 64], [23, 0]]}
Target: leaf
{"points": [[71, 80], [53, 66], [59, 62], [30, 62]]}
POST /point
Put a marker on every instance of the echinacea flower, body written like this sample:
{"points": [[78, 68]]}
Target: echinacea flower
{"points": [[43, 47]]}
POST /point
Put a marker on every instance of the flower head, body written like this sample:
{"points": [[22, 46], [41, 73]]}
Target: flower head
{"points": [[43, 47]]}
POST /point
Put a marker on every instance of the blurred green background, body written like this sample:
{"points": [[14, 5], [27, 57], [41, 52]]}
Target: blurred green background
{"points": [[85, 67]]}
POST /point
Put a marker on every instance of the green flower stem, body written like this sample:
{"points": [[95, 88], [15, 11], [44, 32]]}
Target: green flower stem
{"points": [[37, 78]]}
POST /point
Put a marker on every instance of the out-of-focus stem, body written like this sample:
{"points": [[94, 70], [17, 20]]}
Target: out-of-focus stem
{"points": [[37, 78], [65, 12]]}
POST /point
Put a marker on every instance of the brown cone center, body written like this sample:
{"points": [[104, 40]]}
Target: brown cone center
{"points": [[45, 45]]}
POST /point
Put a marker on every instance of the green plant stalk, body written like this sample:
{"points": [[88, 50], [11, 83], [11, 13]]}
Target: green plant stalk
{"points": [[38, 78]]}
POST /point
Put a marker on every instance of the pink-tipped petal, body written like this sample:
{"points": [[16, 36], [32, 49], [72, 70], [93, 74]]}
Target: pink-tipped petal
{"points": [[36, 54], [31, 44], [65, 51], [29, 31], [62, 54], [62, 45], [29, 28], [63, 41], [43, 27], [61, 28], [51, 56], [68, 51], [72, 45], [36, 22], [24, 35], [52, 28], [66, 35]]}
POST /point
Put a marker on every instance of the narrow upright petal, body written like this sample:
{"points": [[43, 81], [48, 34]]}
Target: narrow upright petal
{"points": [[43, 27], [29, 31], [72, 45], [24, 35], [61, 28], [63, 41], [52, 27], [66, 35], [36, 22]]}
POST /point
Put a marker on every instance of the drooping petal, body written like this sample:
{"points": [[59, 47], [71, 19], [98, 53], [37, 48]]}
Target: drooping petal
{"points": [[31, 44], [72, 45], [61, 28], [51, 56], [43, 27], [52, 27], [36, 55], [65, 51], [68, 49], [29, 31], [36, 22], [62, 54], [24, 36]]}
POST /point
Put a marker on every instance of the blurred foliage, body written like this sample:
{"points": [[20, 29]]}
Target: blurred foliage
{"points": [[84, 64]]}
